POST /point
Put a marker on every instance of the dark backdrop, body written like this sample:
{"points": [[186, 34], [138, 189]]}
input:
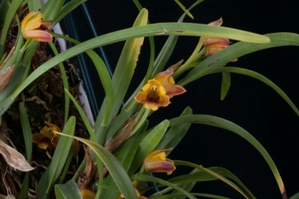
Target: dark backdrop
{"points": [[249, 103]]}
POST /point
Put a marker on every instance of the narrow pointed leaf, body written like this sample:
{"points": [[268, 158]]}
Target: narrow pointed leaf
{"points": [[183, 29], [237, 50], [126, 158], [46, 183], [217, 175], [230, 126], [67, 8], [126, 64], [225, 84], [67, 190], [253, 74], [140, 177], [148, 144], [115, 169], [175, 134]]}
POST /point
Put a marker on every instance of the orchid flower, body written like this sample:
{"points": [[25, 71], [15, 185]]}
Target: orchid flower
{"points": [[87, 194], [46, 138], [213, 44], [33, 27], [159, 90], [121, 196], [156, 161]]}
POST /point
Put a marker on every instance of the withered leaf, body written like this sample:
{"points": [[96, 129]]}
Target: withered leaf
{"points": [[13, 158], [5, 77]]}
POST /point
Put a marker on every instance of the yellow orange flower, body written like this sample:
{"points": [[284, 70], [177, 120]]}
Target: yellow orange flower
{"points": [[156, 161], [87, 194], [212, 44], [121, 196], [47, 138], [158, 91], [33, 27]]}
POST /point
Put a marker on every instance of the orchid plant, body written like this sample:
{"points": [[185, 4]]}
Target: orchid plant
{"points": [[121, 154]]}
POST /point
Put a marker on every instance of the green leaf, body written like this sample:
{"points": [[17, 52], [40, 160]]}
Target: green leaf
{"points": [[51, 9], [201, 176], [67, 8], [128, 151], [296, 196], [183, 29], [125, 158], [148, 144], [169, 45], [53, 171], [34, 5], [68, 190], [4, 4], [186, 186], [82, 114], [230, 126], [237, 50], [25, 187], [214, 174], [175, 134], [64, 81], [184, 9], [117, 124], [27, 134], [115, 169], [126, 64], [106, 83], [140, 177], [225, 84], [253, 74], [10, 14], [224, 172], [182, 196]]}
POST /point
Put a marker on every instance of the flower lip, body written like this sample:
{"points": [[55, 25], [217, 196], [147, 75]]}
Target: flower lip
{"points": [[153, 95]]}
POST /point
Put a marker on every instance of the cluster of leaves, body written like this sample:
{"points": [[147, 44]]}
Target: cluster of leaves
{"points": [[121, 139]]}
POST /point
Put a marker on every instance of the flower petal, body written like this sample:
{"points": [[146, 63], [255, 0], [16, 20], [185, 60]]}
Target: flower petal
{"points": [[53, 126], [47, 24], [174, 90], [141, 97], [31, 21], [216, 23], [87, 194], [219, 42], [163, 76]]}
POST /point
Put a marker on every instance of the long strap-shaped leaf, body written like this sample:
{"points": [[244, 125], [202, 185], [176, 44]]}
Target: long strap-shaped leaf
{"points": [[53, 171], [237, 50], [126, 64], [115, 169], [253, 74], [141, 177], [225, 124]]}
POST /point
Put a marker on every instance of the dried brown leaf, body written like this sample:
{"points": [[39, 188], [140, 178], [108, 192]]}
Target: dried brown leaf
{"points": [[5, 77], [13, 158], [87, 176]]}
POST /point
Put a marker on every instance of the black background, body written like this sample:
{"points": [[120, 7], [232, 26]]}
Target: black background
{"points": [[249, 103]]}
